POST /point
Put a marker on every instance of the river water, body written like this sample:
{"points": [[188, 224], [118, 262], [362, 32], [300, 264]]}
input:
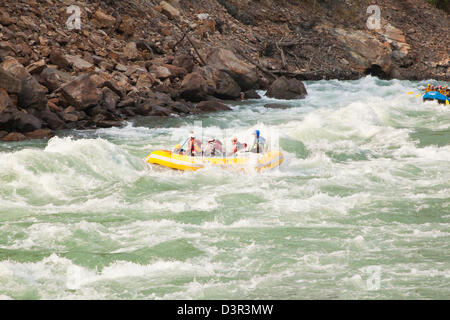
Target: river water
{"points": [[360, 209]]}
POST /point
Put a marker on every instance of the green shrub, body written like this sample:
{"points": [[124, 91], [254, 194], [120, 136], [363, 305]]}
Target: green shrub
{"points": [[441, 4]]}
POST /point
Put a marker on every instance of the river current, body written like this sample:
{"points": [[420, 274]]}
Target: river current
{"points": [[360, 208]]}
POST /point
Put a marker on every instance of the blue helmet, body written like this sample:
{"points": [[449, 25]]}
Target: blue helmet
{"points": [[256, 132]]}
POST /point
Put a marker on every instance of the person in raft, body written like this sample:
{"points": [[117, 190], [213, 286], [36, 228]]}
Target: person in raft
{"points": [[214, 148], [194, 145], [178, 149], [259, 143], [237, 146]]}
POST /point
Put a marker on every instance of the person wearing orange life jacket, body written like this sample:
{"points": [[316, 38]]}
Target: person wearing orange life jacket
{"points": [[194, 145], [237, 146], [446, 91]]}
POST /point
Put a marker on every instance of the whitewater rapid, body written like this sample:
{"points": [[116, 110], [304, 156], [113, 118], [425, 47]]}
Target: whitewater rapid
{"points": [[365, 186]]}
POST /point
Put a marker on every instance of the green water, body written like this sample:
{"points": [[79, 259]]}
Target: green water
{"points": [[360, 209]]}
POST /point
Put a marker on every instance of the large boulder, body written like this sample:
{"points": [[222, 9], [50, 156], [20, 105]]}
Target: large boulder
{"points": [[243, 73], [82, 92], [9, 82], [110, 99], [5, 101], [287, 89], [158, 111], [211, 106], [52, 120], [27, 122], [194, 87], [365, 50], [52, 78], [14, 120], [31, 94], [226, 87]]}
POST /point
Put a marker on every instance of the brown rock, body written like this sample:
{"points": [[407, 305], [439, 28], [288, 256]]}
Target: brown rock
{"points": [[27, 122], [5, 19], [175, 71], [5, 101], [108, 123], [115, 87], [161, 72], [120, 67], [7, 49], [251, 94], [52, 120], [15, 120], [277, 106], [226, 87], [36, 67], [364, 50], [194, 87], [110, 99], [106, 66], [14, 136], [59, 59], [31, 93], [51, 79], [53, 106], [158, 111], [78, 62], [145, 81], [131, 51], [169, 10], [104, 20], [70, 117], [9, 82], [243, 73], [184, 61], [285, 89], [212, 106], [82, 92], [181, 108], [127, 26], [40, 134]]}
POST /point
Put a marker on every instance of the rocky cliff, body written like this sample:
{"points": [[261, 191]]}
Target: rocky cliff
{"points": [[159, 58]]}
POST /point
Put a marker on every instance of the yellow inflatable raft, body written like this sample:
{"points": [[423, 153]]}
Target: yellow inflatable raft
{"points": [[241, 161]]}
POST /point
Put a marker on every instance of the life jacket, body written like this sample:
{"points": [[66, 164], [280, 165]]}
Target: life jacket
{"points": [[218, 145], [258, 145], [239, 146], [194, 146]]}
